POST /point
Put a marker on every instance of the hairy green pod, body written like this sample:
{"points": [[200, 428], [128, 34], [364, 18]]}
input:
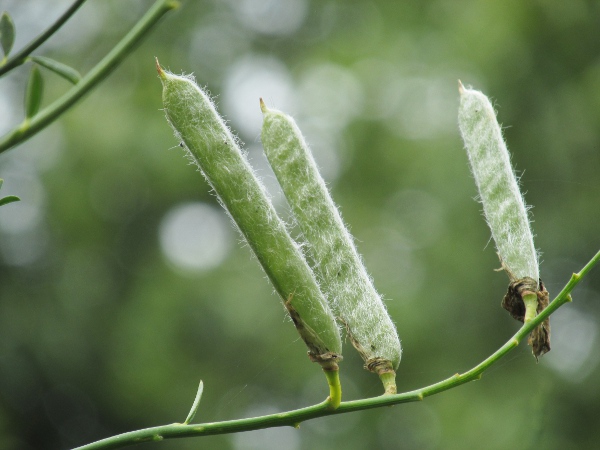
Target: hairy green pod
{"points": [[215, 150], [503, 204], [342, 275], [505, 212]]}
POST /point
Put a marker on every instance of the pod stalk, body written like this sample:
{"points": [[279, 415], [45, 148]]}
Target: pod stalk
{"points": [[335, 388]]}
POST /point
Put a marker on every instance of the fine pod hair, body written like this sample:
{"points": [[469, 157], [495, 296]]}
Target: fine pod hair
{"points": [[339, 268], [505, 212], [211, 145]]}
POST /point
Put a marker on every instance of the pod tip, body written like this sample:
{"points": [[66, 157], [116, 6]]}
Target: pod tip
{"points": [[263, 107], [161, 73], [461, 88]]}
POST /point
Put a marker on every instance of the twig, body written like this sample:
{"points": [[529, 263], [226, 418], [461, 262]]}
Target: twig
{"points": [[29, 127], [19, 58], [294, 418]]}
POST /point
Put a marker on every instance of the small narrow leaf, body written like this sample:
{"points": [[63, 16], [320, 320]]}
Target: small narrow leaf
{"points": [[195, 405], [67, 72], [33, 94], [9, 199], [7, 33]]}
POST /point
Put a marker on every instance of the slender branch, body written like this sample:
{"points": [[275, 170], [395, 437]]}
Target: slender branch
{"points": [[29, 127], [19, 58], [294, 418]]}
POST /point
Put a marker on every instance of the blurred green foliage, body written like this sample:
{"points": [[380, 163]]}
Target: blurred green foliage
{"points": [[107, 323]]}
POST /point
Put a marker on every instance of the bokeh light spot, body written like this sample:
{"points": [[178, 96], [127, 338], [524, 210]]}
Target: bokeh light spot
{"points": [[574, 337], [331, 94], [274, 17], [195, 237], [248, 80]]}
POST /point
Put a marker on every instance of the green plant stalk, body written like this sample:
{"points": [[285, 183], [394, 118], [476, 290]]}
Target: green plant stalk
{"points": [[29, 127], [335, 388], [294, 418], [19, 58], [215, 150], [530, 300], [342, 275]]}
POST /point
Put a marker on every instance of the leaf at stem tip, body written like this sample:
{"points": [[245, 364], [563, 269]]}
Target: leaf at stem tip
{"points": [[7, 33], [33, 94], [67, 72]]}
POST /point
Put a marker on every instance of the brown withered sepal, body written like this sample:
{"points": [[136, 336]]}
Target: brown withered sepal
{"points": [[318, 351], [539, 338]]}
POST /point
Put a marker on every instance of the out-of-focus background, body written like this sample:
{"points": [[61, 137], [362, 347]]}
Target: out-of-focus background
{"points": [[122, 282]]}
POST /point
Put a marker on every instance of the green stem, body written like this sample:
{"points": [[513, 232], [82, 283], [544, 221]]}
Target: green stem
{"points": [[31, 126], [19, 58], [294, 418], [335, 388], [388, 379], [531, 303]]}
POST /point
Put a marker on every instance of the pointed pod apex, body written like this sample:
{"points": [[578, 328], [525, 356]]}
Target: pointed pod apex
{"points": [[161, 73], [263, 107], [461, 88]]}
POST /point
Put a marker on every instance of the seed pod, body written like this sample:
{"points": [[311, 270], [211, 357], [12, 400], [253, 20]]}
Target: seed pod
{"points": [[504, 210], [342, 275], [216, 151]]}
